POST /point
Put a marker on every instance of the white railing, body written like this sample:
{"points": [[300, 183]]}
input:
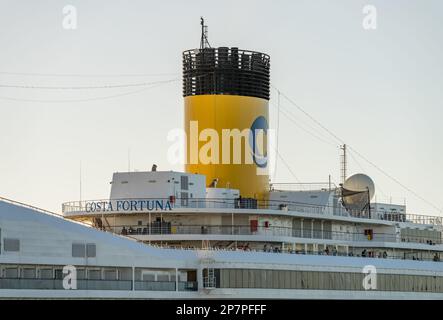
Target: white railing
{"points": [[151, 204]]}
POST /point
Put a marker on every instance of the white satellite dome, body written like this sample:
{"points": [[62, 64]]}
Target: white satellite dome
{"points": [[355, 192], [360, 183]]}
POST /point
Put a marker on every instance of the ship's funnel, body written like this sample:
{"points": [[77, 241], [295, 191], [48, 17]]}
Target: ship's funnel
{"points": [[226, 95]]}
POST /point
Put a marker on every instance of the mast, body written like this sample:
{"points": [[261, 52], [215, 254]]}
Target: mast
{"points": [[204, 42], [343, 164]]}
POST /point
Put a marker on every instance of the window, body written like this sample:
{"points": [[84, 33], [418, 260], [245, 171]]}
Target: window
{"points": [[231, 278], [258, 277], [81, 274], [11, 245], [46, 273], [110, 274], [287, 279], [94, 274], [163, 277], [281, 279], [125, 274], [91, 250], [28, 273], [148, 276], [11, 273], [59, 274], [184, 182], [184, 199], [78, 250]]}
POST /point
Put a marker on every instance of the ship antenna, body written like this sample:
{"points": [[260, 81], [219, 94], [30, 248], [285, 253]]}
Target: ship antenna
{"points": [[129, 159], [204, 42], [80, 182], [344, 163]]}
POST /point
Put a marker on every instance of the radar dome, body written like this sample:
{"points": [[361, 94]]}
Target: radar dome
{"points": [[355, 192], [360, 183]]}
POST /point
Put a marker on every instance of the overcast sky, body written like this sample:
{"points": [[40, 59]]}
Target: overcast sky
{"points": [[378, 90]]}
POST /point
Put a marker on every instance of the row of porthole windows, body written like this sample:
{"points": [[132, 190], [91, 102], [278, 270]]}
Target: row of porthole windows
{"points": [[289, 279]]}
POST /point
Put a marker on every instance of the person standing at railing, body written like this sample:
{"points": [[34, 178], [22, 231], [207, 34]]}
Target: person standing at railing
{"points": [[327, 251]]}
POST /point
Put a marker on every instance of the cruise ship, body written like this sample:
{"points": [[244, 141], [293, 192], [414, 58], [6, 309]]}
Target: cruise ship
{"points": [[220, 229]]}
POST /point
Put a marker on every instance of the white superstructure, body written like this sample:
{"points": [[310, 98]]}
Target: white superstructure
{"points": [[36, 246], [149, 242]]}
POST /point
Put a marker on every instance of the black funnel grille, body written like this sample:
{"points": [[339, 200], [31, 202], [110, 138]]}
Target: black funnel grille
{"points": [[226, 71]]}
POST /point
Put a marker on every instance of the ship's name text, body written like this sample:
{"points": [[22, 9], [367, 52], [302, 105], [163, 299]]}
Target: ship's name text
{"points": [[128, 205]]}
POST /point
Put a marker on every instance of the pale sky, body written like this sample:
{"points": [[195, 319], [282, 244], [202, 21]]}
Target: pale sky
{"points": [[378, 90]]}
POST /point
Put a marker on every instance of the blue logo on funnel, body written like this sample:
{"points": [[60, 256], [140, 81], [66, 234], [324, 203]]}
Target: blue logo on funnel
{"points": [[259, 149]]}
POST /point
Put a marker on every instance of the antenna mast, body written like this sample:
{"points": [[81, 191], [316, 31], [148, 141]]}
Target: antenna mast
{"points": [[343, 164], [129, 159], [80, 183], [204, 42]]}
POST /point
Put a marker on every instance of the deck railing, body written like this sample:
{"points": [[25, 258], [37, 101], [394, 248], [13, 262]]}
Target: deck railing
{"points": [[57, 284], [154, 204], [159, 228]]}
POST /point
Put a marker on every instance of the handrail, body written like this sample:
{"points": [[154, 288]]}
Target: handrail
{"points": [[28, 206], [261, 204], [287, 251], [39, 210], [170, 229], [278, 205], [96, 284], [303, 186]]}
